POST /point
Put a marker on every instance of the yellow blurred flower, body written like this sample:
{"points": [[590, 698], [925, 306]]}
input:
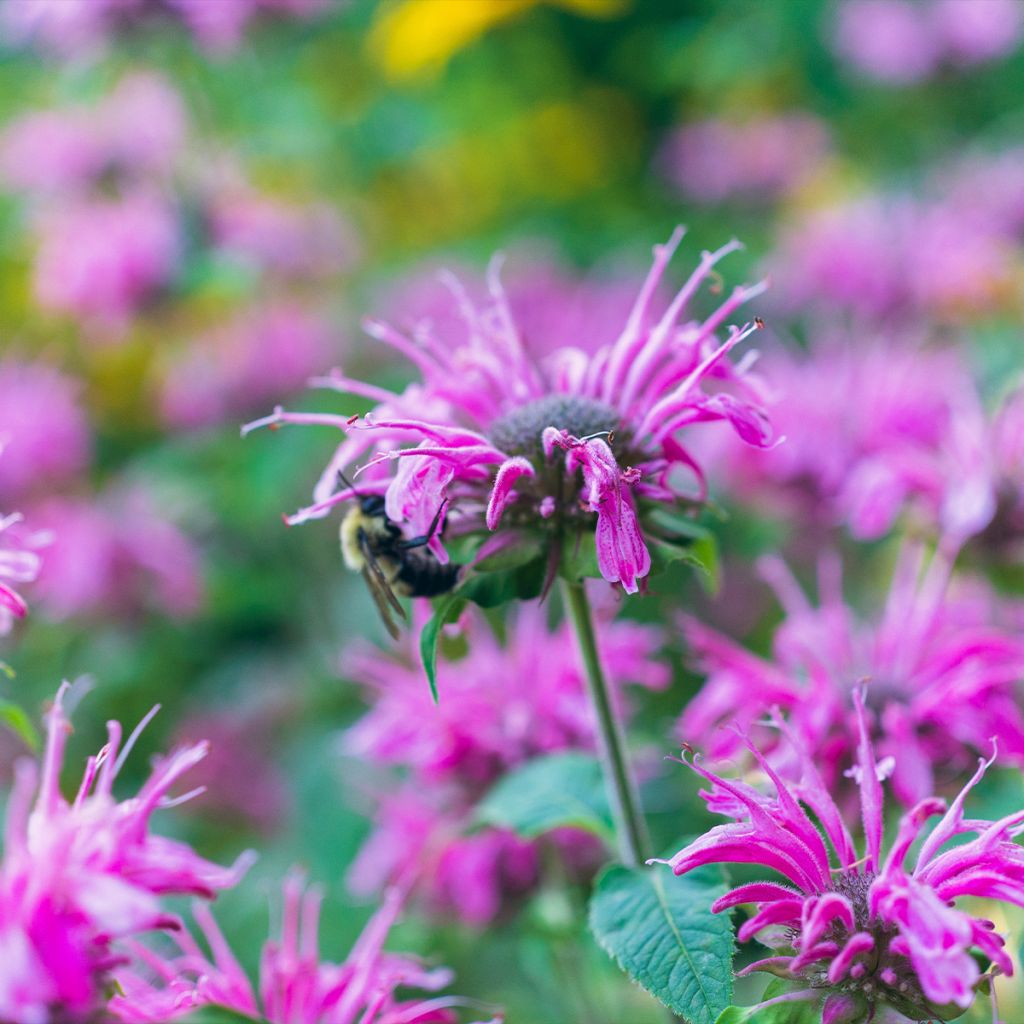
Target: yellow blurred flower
{"points": [[411, 37]]}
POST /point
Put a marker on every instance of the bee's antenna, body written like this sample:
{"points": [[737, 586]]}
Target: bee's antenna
{"points": [[348, 483]]}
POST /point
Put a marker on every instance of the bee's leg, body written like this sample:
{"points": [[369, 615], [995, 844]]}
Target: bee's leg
{"points": [[424, 539]]}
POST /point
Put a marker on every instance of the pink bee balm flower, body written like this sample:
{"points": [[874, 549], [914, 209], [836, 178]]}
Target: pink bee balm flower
{"points": [[19, 563], [858, 934], [295, 985], [901, 42], [136, 131], [423, 837], [49, 151], [503, 703], [243, 783], [848, 254], [891, 40], [67, 27], [912, 442], [219, 27], [945, 252], [561, 441], [117, 553], [102, 260], [428, 838], [716, 161], [76, 877], [244, 364], [942, 678], [291, 239], [44, 432]]}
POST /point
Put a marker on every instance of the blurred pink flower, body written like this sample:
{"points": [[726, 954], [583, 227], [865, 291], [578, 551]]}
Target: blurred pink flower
{"points": [[116, 553], [269, 234], [502, 427], [891, 40], [240, 367], [717, 161], [912, 440], [19, 563], [44, 432], [974, 32], [243, 784], [988, 189], [50, 151], [424, 836], [870, 932], [136, 130], [295, 985], [943, 678], [850, 254], [143, 124], [71, 28], [76, 877], [219, 27], [102, 260], [948, 252], [502, 704], [902, 42]]}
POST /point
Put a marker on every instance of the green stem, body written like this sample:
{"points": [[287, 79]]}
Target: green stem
{"points": [[630, 828]]}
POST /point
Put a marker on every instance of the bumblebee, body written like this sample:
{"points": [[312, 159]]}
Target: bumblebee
{"points": [[373, 545]]}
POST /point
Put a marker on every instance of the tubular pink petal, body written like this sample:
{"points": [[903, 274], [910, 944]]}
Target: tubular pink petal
{"points": [[856, 945], [754, 892], [870, 787], [504, 482]]}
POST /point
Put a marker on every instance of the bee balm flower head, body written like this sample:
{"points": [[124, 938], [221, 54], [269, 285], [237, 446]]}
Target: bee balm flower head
{"points": [[859, 933], [943, 677], [560, 440], [78, 876], [295, 985]]}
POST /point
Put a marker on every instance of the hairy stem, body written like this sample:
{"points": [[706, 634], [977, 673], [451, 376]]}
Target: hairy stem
{"points": [[630, 828]]}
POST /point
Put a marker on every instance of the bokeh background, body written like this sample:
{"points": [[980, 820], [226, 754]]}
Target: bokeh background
{"points": [[198, 202]]}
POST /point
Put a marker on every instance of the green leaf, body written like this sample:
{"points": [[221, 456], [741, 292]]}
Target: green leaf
{"points": [[703, 555], [450, 609], [561, 790], [14, 717], [734, 1015], [579, 557], [519, 550], [487, 590], [672, 524], [798, 1012], [700, 553], [661, 931], [492, 589], [802, 1012]]}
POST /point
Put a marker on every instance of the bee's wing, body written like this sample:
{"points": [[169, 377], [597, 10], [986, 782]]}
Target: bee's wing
{"points": [[373, 584], [379, 587]]}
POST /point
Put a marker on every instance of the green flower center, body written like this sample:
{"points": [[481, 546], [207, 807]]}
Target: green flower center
{"points": [[519, 432]]}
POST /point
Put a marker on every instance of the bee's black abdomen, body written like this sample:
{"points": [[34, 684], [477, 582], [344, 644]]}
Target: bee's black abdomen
{"points": [[425, 576]]}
